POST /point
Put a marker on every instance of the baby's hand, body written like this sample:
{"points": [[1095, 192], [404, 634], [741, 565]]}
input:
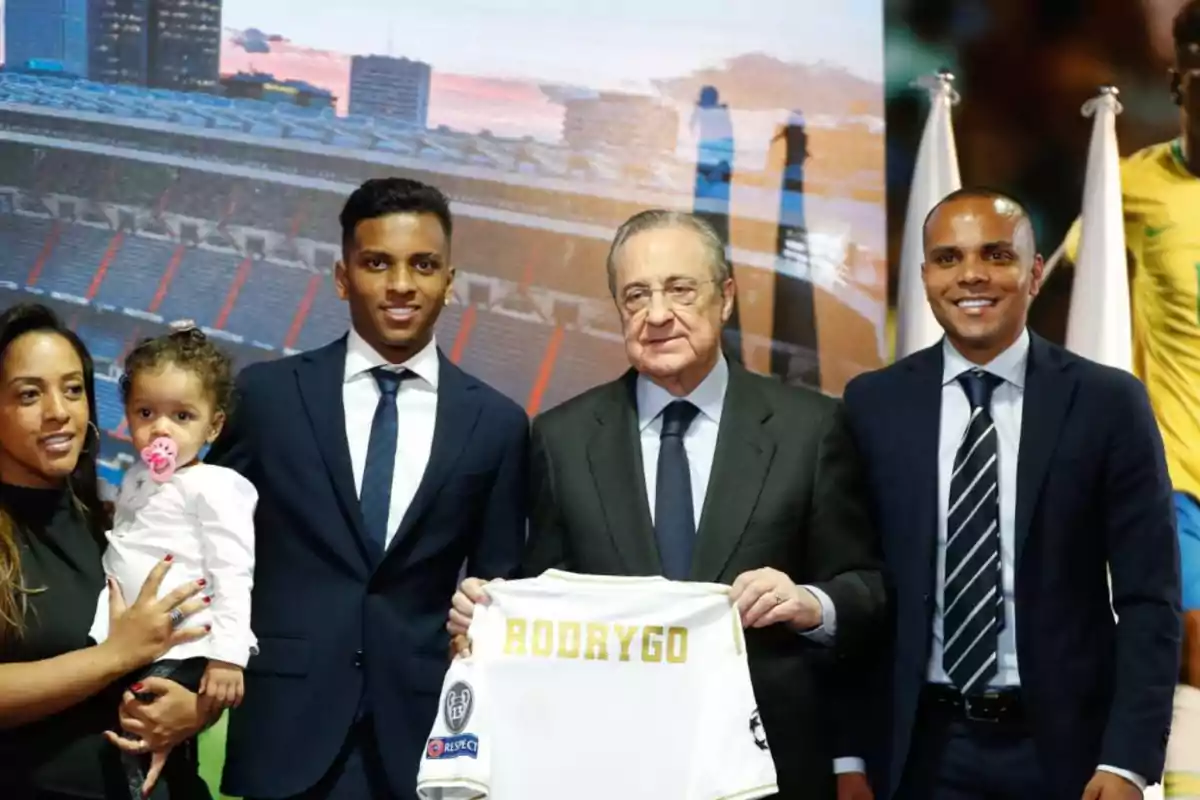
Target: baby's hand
{"points": [[222, 686]]}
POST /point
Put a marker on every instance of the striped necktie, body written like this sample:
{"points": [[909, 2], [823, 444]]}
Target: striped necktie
{"points": [[972, 600]]}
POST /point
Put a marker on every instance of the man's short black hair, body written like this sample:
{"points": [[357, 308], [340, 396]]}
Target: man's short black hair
{"points": [[380, 197], [975, 193], [1186, 28]]}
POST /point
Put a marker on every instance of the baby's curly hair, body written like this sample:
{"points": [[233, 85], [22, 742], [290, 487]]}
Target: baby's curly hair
{"points": [[189, 349]]}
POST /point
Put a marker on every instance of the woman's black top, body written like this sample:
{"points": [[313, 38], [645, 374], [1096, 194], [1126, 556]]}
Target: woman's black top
{"points": [[60, 564]]}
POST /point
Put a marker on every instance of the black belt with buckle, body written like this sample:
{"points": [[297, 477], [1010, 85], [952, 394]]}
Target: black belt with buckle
{"points": [[998, 706]]}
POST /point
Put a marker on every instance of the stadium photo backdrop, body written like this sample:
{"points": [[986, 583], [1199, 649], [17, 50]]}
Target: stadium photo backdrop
{"points": [[165, 160]]}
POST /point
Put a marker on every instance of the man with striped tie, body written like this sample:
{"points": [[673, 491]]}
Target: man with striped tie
{"points": [[1009, 477]]}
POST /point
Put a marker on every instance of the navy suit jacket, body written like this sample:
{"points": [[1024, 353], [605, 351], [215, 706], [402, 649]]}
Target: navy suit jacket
{"points": [[1092, 493], [336, 626]]}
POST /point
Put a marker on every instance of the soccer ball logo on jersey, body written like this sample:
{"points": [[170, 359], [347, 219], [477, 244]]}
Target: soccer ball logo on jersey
{"points": [[456, 709], [758, 732]]}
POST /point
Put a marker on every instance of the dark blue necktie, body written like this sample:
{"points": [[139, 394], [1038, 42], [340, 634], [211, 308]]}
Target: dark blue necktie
{"points": [[674, 519], [375, 498], [972, 599]]}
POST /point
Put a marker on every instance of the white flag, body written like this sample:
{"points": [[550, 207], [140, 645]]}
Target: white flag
{"points": [[1099, 323], [935, 176]]}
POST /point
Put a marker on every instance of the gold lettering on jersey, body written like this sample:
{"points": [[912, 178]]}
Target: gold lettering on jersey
{"points": [[676, 645], [514, 637], [568, 639], [597, 642], [625, 634], [543, 638], [652, 643], [572, 639]]}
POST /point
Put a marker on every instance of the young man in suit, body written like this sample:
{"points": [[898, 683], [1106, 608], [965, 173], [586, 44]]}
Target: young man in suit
{"points": [[1010, 478], [381, 469], [691, 467]]}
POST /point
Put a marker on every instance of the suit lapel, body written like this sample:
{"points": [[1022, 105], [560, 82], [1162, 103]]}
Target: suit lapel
{"points": [[321, 374], [918, 425], [741, 459], [615, 457], [1049, 388], [458, 411]]}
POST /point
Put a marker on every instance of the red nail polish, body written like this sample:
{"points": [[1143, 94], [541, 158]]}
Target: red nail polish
{"points": [[169, 557], [207, 600], [202, 582], [137, 687], [208, 628]]}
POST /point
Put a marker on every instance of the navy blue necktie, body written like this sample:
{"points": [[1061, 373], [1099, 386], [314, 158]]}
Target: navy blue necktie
{"points": [[972, 599], [375, 497], [674, 519]]}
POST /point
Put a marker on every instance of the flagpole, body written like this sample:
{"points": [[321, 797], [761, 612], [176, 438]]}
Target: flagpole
{"points": [[1053, 261], [935, 175]]}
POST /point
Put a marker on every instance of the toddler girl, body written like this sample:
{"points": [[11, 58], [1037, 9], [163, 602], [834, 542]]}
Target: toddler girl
{"points": [[177, 391]]}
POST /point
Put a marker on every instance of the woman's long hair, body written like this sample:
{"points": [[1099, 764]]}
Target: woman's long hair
{"points": [[82, 482]]}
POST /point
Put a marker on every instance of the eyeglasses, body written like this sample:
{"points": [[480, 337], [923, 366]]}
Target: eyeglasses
{"points": [[677, 293]]}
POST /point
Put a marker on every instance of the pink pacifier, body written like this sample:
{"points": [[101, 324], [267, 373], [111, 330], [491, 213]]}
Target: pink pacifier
{"points": [[160, 456]]}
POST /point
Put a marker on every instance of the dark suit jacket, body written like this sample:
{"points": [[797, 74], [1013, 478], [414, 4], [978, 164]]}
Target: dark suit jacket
{"points": [[1092, 492], [785, 492], [336, 626]]}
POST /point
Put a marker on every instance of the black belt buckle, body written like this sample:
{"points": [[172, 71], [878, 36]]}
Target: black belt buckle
{"points": [[983, 708]]}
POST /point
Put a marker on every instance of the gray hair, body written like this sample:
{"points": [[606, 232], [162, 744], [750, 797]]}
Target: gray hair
{"points": [[659, 218]]}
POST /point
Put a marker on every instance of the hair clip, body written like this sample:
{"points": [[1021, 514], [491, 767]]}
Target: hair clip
{"points": [[186, 327]]}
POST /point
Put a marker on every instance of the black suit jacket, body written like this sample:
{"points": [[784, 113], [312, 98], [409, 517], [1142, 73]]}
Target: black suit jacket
{"points": [[1092, 493], [785, 492], [336, 626]]}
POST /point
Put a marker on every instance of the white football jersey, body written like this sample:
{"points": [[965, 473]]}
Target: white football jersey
{"points": [[596, 688]]}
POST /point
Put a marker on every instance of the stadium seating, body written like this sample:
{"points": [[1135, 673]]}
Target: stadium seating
{"points": [[74, 259], [506, 352], [448, 326], [134, 273], [200, 286], [266, 303], [104, 343], [108, 404], [22, 240], [326, 319], [584, 360]]}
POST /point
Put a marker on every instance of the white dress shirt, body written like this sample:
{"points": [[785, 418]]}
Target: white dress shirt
{"points": [[416, 413], [700, 444], [1007, 402], [1006, 409], [204, 518]]}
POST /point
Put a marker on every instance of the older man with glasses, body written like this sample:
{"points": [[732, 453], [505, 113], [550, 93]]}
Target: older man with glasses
{"points": [[692, 468]]}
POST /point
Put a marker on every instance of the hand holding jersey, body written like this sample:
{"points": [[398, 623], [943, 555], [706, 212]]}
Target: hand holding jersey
{"points": [[566, 664], [769, 597]]}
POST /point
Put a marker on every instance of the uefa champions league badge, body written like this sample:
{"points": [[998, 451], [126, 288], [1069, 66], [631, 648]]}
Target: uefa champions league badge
{"points": [[457, 706], [159, 456]]}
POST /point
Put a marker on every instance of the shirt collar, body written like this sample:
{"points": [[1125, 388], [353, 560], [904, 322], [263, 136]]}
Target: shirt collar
{"points": [[361, 358], [1009, 365], [709, 396]]}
